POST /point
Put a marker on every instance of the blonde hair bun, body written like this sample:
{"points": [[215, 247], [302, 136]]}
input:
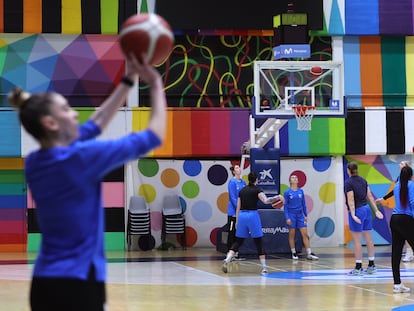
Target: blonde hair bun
{"points": [[17, 97]]}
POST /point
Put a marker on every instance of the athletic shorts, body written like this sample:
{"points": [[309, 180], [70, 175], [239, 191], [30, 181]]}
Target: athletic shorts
{"points": [[365, 215], [298, 220], [67, 294], [249, 223]]}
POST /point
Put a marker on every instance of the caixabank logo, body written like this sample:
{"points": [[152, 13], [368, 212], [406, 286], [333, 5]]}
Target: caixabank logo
{"points": [[266, 178]]}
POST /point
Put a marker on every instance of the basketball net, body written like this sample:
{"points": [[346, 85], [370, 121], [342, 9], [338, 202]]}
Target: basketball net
{"points": [[303, 115]]}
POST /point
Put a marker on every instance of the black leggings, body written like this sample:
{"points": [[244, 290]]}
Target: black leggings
{"points": [[257, 241], [401, 230], [65, 294], [231, 228]]}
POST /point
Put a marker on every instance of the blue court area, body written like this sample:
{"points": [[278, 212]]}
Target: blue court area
{"points": [[338, 274]]}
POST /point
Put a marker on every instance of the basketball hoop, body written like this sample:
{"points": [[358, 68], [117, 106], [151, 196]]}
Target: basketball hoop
{"points": [[303, 115]]}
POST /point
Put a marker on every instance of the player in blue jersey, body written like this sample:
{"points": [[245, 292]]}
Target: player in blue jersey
{"points": [[358, 198], [402, 223], [296, 217], [248, 221], [64, 177], [409, 254], [234, 186]]}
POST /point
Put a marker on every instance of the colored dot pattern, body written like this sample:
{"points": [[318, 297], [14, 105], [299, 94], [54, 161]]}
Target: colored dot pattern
{"points": [[202, 189]]}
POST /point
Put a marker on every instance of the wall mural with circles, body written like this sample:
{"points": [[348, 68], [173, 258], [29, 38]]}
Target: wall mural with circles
{"points": [[202, 188]]}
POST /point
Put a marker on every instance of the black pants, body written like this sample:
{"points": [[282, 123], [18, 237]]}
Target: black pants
{"points": [[231, 228], [401, 230], [65, 294], [257, 241]]}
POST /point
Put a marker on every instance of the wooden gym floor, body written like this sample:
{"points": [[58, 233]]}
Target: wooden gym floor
{"points": [[192, 279]]}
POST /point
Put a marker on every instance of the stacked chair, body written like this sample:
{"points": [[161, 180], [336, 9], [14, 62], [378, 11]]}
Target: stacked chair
{"points": [[139, 219], [173, 219]]}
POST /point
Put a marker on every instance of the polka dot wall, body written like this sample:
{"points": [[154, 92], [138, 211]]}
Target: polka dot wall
{"points": [[202, 188]]}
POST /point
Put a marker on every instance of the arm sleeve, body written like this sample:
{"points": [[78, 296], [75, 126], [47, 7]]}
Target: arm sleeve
{"points": [[388, 195], [286, 206], [305, 211], [102, 156], [88, 130], [411, 196], [233, 195]]}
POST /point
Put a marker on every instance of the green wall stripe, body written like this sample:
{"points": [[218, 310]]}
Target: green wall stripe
{"points": [[393, 60], [337, 143], [84, 114], [109, 16], [11, 176], [33, 242], [113, 241], [13, 189], [319, 137]]}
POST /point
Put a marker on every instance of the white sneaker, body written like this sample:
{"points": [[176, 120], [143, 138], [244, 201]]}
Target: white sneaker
{"points": [[295, 256], [408, 257], [312, 256], [400, 288], [264, 271], [224, 267]]}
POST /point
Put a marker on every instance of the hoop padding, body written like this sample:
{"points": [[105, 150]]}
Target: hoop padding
{"points": [[304, 115]]}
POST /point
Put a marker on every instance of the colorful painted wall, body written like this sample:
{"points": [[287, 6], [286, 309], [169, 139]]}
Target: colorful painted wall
{"points": [[380, 172], [71, 47]]}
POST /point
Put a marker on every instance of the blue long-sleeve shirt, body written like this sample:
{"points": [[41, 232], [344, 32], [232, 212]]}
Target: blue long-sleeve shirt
{"points": [[65, 183], [234, 186], [407, 210], [294, 202]]}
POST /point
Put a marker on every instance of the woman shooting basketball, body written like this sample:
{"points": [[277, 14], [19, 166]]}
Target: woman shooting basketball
{"points": [[65, 176]]}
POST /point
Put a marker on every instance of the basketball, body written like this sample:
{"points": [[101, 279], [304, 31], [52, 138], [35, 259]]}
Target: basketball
{"points": [[147, 33], [278, 204], [316, 70]]}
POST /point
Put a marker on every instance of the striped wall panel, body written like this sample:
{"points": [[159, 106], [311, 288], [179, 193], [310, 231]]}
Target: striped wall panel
{"points": [[351, 17], [113, 192], [378, 17], [66, 16], [377, 71], [13, 205], [379, 131], [199, 132]]}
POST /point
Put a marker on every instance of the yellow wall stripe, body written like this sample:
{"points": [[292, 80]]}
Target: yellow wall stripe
{"points": [[409, 65], [71, 17]]}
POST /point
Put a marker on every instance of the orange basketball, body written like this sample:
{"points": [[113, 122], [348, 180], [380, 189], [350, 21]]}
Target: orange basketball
{"points": [[316, 70], [147, 33], [278, 204]]}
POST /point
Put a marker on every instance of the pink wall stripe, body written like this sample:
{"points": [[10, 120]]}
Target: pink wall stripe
{"points": [[219, 133], [113, 194]]}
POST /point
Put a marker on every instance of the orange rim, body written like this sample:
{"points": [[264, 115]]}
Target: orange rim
{"points": [[300, 111]]}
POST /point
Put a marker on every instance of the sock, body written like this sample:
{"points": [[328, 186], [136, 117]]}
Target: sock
{"points": [[309, 251], [230, 254], [293, 250], [263, 262]]}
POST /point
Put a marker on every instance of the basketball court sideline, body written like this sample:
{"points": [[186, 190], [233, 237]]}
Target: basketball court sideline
{"points": [[192, 280]]}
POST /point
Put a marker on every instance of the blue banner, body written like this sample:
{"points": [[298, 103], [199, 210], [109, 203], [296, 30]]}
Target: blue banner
{"points": [[291, 51], [266, 164]]}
